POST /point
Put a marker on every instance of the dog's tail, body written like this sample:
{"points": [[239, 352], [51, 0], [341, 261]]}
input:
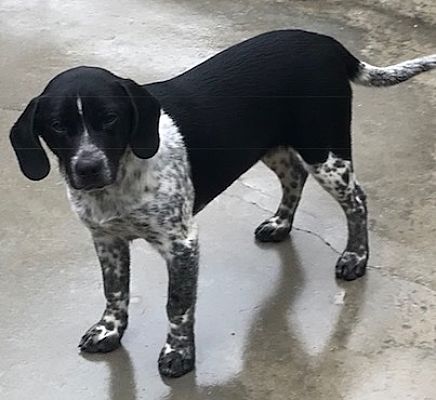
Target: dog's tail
{"points": [[369, 75]]}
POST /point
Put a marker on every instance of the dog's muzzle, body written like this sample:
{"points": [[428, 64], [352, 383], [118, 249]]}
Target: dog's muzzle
{"points": [[90, 172]]}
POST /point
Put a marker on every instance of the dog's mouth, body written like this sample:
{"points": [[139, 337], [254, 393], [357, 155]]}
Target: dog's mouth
{"points": [[92, 183], [93, 188]]}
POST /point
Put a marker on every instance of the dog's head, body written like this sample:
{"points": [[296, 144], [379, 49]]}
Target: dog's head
{"points": [[88, 117]]}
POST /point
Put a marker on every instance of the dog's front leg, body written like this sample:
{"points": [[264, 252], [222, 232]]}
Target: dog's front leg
{"points": [[114, 257], [178, 355]]}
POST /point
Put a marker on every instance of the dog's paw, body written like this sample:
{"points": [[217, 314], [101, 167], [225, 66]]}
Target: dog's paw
{"points": [[100, 339], [351, 266], [174, 363], [273, 229]]}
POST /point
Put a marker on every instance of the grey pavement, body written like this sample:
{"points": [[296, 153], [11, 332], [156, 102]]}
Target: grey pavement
{"points": [[272, 322]]}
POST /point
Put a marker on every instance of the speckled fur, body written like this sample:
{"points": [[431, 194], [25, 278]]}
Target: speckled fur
{"points": [[105, 335], [369, 75], [288, 167], [150, 199], [336, 177]]}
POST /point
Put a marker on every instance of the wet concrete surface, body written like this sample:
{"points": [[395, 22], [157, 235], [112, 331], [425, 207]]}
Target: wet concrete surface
{"points": [[272, 321]]}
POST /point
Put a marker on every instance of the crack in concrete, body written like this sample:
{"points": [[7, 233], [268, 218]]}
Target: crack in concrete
{"points": [[318, 236], [253, 203], [247, 185], [297, 228], [308, 231], [328, 244]]}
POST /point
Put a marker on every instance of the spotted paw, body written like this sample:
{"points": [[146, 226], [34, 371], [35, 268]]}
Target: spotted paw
{"points": [[272, 230], [100, 339], [351, 266], [174, 363]]}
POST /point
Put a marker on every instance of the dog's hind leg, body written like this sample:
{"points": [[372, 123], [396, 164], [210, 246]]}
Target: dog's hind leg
{"points": [[289, 169], [336, 176]]}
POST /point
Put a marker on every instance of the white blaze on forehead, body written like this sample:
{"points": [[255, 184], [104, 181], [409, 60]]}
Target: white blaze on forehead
{"points": [[86, 145], [80, 111], [79, 106]]}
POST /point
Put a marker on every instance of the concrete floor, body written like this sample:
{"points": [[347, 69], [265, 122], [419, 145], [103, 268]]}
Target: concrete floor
{"points": [[271, 323]]}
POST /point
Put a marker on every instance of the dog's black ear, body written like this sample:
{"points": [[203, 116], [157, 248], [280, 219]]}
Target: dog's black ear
{"points": [[31, 156], [144, 138]]}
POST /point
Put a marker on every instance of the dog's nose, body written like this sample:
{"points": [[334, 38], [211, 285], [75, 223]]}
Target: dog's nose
{"points": [[88, 166]]}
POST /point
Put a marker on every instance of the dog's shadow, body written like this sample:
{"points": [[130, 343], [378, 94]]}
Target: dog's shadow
{"points": [[275, 356], [122, 374]]}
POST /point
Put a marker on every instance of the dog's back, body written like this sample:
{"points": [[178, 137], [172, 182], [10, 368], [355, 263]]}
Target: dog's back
{"points": [[279, 88]]}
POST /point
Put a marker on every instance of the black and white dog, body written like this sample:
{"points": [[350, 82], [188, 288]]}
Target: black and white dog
{"points": [[141, 160]]}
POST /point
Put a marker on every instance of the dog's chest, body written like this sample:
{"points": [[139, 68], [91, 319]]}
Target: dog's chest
{"points": [[118, 214], [152, 205]]}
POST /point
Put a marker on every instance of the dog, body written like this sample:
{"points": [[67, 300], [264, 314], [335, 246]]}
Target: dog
{"points": [[140, 161]]}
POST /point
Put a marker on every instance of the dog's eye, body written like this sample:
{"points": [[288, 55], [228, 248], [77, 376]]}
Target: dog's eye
{"points": [[58, 127], [109, 119]]}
